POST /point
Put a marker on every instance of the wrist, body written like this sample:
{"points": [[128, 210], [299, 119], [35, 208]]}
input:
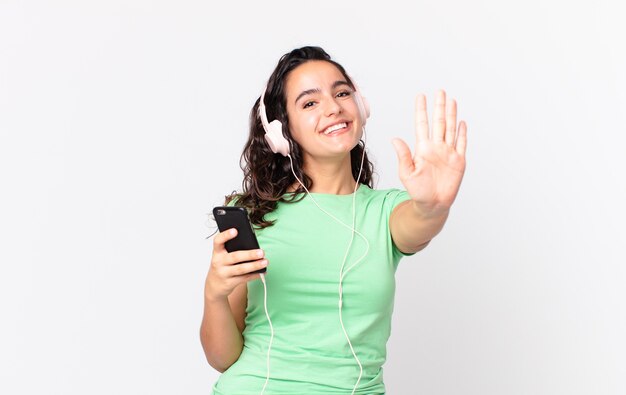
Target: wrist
{"points": [[429, 211], [215, 299], [210, 296]]}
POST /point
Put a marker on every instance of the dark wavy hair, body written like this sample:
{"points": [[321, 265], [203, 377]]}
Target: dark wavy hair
{"points": [[267, 176]]}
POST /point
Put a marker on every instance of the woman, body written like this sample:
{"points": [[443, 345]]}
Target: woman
{"points": [[330, 243]]}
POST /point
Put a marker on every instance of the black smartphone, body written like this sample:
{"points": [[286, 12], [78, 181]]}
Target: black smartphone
{"points": [[237, 217]]}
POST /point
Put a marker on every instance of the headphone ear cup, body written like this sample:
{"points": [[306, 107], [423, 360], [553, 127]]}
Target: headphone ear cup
{"points": [[275, 139], [273, 130], [366, 106], [363, 106]]}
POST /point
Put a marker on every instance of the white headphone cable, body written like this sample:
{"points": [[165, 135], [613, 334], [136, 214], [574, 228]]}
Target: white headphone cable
{"points": [[269, 347], [341, 276], [341, 272]]}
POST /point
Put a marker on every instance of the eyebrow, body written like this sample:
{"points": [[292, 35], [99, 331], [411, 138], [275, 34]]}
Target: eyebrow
{"points": [[316, 90]]}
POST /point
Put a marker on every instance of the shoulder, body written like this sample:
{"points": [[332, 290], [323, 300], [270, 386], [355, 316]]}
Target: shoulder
{"points": [[388, 198]]}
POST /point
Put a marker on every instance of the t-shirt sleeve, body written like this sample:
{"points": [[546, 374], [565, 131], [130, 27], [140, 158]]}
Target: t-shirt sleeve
{"points": [[233, 202], [393, 198]]}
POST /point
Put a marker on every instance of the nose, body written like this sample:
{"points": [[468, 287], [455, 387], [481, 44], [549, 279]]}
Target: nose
{"points": [[333, 107]]}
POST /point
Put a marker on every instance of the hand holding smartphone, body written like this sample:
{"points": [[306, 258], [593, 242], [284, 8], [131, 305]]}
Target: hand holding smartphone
{"points": [[228, 217]]}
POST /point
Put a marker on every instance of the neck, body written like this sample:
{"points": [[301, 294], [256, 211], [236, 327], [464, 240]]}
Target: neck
{"points": [[331, 177]]}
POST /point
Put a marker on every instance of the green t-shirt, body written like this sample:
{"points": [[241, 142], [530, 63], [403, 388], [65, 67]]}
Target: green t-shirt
{"points": [[305, 249]]}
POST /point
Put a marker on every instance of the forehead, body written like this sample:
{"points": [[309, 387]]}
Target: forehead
{"points": [[314, 74]]}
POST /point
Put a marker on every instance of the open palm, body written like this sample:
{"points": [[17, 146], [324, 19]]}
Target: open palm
{"points": [[433, 174]]}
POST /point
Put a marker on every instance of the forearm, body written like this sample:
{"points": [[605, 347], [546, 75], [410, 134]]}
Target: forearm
{"points": [[221, 339], [412, 226]]}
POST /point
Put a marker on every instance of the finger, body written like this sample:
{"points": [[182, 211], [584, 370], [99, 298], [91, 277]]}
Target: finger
{"points": [[236, 257], [246, 268], [248, 277], [461, 141], [421, 118], [450, 122], [223, 237], [405, 160], [439, 116]]}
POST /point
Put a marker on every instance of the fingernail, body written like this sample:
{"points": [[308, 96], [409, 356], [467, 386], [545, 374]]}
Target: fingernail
{"points": [[233, 232], [264, 262], [259, 253]]}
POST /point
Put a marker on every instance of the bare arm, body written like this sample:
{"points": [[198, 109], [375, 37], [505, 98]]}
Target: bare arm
{"points": [[432, 175], [412, 229], [225, 296], [222, 325]]}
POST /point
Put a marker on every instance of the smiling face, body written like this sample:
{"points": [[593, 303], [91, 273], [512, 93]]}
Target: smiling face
{"points": [[323, 116]]}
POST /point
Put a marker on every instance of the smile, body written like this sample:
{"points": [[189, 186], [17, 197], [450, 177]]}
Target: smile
{"points": [[334, 129]]}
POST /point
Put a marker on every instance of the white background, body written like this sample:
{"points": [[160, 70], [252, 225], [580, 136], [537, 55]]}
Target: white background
{"points": [[122, 124]]}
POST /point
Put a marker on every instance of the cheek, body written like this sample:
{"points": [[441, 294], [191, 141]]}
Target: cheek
{"points": [[304, 124], [309, 119]]}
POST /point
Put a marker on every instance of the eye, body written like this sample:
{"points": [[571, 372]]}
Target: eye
{"points": [[344, 93], [308, 104]]}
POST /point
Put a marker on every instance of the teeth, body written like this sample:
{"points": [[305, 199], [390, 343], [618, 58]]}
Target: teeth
{"points": [[335, 127]]}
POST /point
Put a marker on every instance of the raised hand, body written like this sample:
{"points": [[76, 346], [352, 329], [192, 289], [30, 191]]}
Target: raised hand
{"points": [[432, 175]]}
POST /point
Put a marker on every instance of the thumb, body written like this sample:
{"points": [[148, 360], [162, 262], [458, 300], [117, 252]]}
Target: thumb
{"points": [[405, 160]]}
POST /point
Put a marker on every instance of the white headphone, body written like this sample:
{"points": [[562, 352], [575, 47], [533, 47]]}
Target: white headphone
{"points": [[274, 130], [280, 145]]}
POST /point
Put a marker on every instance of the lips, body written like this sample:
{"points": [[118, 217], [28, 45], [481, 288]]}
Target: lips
{"points": [[335, 128]]}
